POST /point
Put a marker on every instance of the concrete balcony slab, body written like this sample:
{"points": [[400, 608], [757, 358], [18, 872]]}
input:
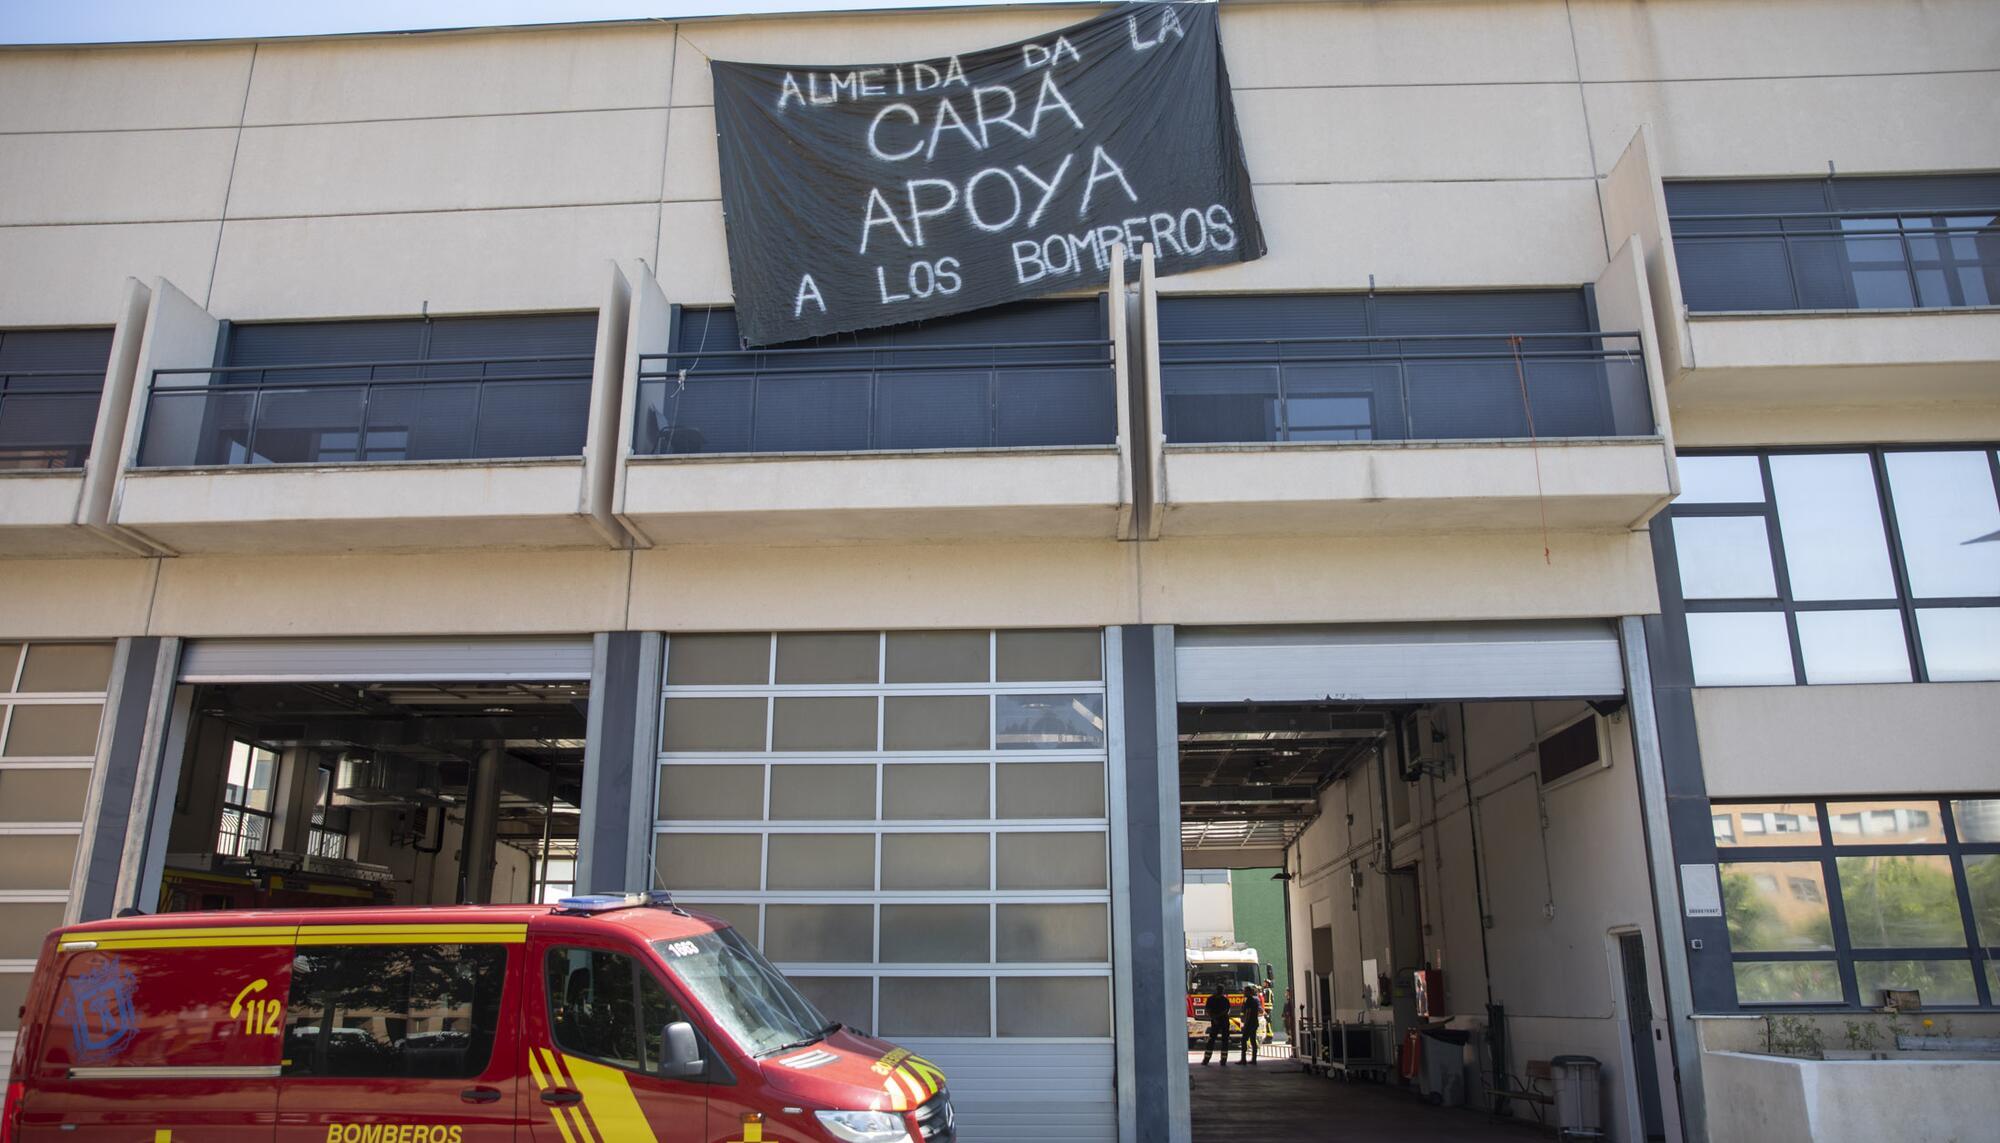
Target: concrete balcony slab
{"points": [[307, 508], [1034, 493], [1414, 487], [38, 516], [1846, 357]]}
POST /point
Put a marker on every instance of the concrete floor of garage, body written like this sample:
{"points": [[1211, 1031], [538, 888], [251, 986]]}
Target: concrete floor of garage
{"points": [[1278, 1100]]}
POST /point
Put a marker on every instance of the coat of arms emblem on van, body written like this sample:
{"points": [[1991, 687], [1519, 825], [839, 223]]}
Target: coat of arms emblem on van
{"points": [[99, 1010]]}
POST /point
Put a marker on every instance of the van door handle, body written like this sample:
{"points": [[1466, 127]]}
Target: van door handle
{"points": [[480, 1095], [561, 1095]]}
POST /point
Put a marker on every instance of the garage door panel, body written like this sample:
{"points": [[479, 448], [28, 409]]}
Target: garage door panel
{"points": [[385, 660], [1399, 663]]}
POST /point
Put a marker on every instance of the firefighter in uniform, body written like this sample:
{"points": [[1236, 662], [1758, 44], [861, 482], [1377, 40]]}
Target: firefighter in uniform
{"points": [[1217, 1009], [1253, 1014]]}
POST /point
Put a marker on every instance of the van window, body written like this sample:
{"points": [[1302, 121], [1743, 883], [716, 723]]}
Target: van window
{"points": [[604, 1006], [408, 1011]]}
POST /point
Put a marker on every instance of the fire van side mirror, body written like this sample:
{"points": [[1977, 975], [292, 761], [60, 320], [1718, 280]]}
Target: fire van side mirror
{"points": [[682, 1058]]}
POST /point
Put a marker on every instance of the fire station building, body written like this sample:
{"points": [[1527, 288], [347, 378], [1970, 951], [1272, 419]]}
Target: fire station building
{"points": [[1570, 554]]}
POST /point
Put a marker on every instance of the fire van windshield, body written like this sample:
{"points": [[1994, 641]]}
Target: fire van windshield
{"points": [[751, 1000]]}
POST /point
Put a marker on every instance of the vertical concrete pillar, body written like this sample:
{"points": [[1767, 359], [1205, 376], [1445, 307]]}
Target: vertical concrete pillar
{"points": [[141, 682], [620, 757], [482, 826], [1146, 886]]}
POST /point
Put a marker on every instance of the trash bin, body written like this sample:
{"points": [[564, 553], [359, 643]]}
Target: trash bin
{"points": [[1442, 1075], [1576, 1097]]}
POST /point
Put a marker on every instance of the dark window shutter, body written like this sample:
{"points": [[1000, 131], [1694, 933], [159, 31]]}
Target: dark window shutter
{"points": [[47, 421]]}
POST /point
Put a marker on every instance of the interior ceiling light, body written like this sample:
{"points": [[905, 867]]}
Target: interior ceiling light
{"points": [[497, 710]]}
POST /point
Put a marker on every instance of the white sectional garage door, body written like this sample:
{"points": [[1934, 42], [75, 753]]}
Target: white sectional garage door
{"points": [[914, 827], [539, 659], [1398, 663]]}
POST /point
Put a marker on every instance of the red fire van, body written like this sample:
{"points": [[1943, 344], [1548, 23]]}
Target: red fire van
{"points": [[612, 1019]]}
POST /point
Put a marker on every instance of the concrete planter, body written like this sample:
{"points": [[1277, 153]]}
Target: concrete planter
{"points": [[1911, 1097]]}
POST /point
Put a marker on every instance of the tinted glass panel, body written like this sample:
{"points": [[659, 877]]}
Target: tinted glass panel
{"points": [[1776, 906], [823, 724], [1049, 656], [822, 861], [1049, 722], [39, 862], [23, 925], [1724, 557], [1978, 819], [1901, 902], [934, 860], [938, 657], [67, 667], [935, 722], [1944, 503], [1050, 789], [916, 790], [710, 860], [717, 660], [1854, 646], [1982, 878], [1740, 649], [713, 793], [1832, 526], [1961, 644], [819, 933], [604, 1007], [43, 795], [833, 658], [1720, 480], [826, 793], [1055, 1006], [404, 1011], [1766, 824], [935, 934], [1787, 982], [1885, 823], [1050, 860], [719, 724], [1941, 982], [1054, 933], [935, 1006]]}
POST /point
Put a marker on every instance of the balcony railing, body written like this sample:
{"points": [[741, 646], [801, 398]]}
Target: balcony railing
{"points": [[1428, 387], [1839, 260], [877, 398], [323, 413], [47, 417]]}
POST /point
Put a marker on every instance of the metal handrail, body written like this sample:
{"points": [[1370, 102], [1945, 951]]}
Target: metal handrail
{"points": [[863, 361], [1520, 349], [92, 380], [364, 386], [1942, 257], [1856, 212]]}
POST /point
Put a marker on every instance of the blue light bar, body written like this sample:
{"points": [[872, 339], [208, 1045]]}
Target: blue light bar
{"points": [[610, 902]]}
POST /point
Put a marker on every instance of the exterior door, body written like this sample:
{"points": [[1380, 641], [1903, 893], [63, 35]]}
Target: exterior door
{"points": [[1639, 1027], [383, 1039], [593, 1049]]}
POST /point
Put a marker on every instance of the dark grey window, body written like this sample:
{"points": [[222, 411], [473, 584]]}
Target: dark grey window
{"points": [[1840, 565], [402, 1011], [1832, 902], [1354, 367], [1032, 374], [1837, 244], [604, 1006], [396, 390], [50, 381]]}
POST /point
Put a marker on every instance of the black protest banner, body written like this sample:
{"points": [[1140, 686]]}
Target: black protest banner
{"points": [[862, 196]]}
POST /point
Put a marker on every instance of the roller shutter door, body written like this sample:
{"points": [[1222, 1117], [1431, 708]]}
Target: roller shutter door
{"points": [[1399, 663], [551, 659]]}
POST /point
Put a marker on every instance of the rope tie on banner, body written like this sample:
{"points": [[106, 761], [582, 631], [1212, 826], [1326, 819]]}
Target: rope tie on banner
{"points": [[1534, 444]]}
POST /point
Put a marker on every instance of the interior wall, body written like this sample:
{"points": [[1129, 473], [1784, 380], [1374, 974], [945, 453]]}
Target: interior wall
{"points": [[1559, 868]]}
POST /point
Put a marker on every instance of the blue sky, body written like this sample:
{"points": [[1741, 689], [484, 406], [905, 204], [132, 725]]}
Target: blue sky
{"points": [[108, 21]]}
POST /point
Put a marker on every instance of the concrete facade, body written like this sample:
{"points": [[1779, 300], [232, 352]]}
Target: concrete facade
{"points": [[1427, 145]]}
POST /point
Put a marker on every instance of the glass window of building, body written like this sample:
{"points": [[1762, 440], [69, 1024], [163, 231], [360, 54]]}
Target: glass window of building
{"points": [[1841, 566], [247, 801], [1832, 903]]}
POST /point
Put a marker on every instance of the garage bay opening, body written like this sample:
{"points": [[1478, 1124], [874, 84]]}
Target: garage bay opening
{"points": [[339, 793], [1451, 819]]}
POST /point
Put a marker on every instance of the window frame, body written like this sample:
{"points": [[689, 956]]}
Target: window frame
{"points": [[1824, 851], [640, 973], [270, 816], [1905, 603]]}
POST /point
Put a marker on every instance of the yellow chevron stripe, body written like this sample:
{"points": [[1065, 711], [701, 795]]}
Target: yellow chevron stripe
{"points": [[535, 1069], [614, 1110], [928, 1072], [562, 1124]]}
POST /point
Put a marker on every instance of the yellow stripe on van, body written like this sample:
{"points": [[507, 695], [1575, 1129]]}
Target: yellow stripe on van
{"points": [[232, 937], [613, 1109], [413, 935]]}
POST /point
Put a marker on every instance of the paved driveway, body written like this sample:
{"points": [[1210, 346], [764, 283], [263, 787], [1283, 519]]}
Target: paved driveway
{"points": [[1278, 1102]]}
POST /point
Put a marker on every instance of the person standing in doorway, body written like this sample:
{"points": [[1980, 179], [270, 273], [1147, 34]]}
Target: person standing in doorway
{"points": [[1253, 1015], [1217, 1010]]}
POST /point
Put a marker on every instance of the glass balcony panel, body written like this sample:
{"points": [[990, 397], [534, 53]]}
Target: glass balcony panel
{"points": [[1052, 407], [44, 429], [1217, 403], [532, 418], [934, 410], [813, 413]]}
